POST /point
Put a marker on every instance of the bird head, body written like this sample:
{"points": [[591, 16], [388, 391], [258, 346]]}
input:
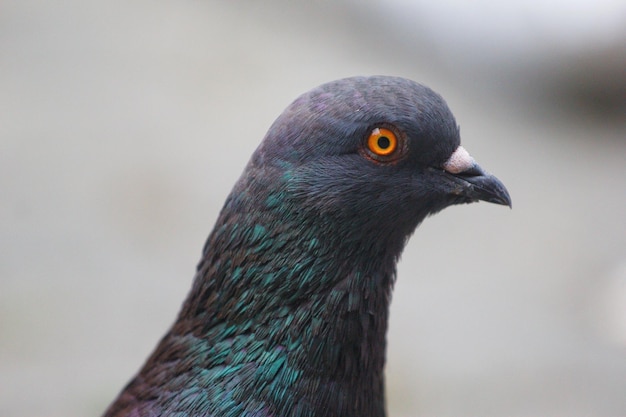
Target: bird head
{"points": [[369, 157]]}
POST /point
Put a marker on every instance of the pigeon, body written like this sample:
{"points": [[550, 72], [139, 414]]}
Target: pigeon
{"points": [[288, 311]]}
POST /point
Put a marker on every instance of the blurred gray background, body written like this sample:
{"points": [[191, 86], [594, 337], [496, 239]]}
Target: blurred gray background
{"points": [[124, 124]]}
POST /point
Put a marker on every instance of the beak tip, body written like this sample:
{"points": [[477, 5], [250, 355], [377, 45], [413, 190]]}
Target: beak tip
{"points": [[502, 196], [485, 187], [493, 191]]}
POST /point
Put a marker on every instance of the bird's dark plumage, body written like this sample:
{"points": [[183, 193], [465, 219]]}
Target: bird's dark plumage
{"points": [[288, 311]]}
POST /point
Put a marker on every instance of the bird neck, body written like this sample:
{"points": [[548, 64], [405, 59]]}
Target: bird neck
{"points": [[304, 288]]}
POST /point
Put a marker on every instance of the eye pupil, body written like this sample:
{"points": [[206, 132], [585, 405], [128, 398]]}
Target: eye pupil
{"points": [[384, 142]]}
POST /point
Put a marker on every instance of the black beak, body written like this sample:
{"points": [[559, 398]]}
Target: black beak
{"points": [[480, 185]]}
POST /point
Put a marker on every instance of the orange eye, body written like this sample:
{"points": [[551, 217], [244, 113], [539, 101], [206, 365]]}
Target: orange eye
{"points": [[382, 142]]}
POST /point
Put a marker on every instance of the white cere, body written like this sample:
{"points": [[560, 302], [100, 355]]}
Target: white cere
{"points": [[459, 161]]}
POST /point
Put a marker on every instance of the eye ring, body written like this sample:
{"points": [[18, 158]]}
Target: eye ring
{"points": [[384, 144]]}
